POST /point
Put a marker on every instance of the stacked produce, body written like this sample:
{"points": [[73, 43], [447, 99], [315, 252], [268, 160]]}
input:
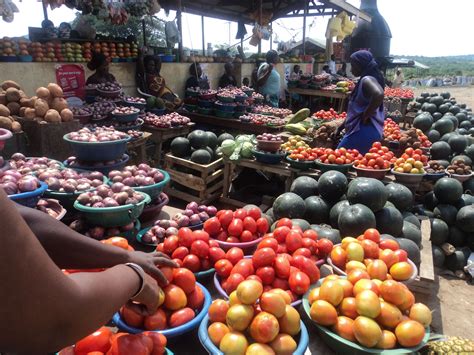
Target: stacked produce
{"points": [[377, 158], [268, 110], [171, 120], [136, 176], [105, 196], [259, 119], [294, 142], [12, 99], [100, 134], [99, 232], [369, 312], [399, 92], [70, 181], [199, 147], [99, 110], [242, 146], [235, 327], [12, 182], [33, 165], [331, 114], [412, 161], [459, 167], [391, 131]]}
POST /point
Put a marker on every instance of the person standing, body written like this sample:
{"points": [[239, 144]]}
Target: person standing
{"points": [[269, 79], [398, 79], [343, 70], [332, 65], [365, 115], [228, 79], [100, 65]]}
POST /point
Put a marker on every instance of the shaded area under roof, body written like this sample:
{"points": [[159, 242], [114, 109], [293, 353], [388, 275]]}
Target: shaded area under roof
{"points": [[312, 46], [405, 63]]}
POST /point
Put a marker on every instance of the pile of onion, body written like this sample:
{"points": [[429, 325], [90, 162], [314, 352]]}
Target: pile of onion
{"points": [[69, 180], [32, 165], [13, 182], [134, 176], [110, 196], [100, 134]]}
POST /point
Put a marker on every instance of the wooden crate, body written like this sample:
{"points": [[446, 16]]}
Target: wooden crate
{"points": [[203, 182], [425, 280]]}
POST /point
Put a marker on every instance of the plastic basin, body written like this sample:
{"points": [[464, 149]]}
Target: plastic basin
{"points": [[158, 111], [83, 119], [407, 178], [241, 98], [224, 114], [268, 158], [247, 247], [113, 216], [172, 332], [460, 178], [124, 118], [139, 237], [269, 146], [98, 151], [30, 198], [104, 169], [155, 190], [205, 110], [378, 174], [138, 105], [224, 108], [342, 346], [152, 210], [204, 275], [343, 168], [226, 98], [206, 103], [302, 165], [136, 127], [5, 134], [109, 94], [434, 177], [303, 340]]}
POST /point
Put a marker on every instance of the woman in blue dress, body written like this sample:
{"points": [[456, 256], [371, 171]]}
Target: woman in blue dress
{"points": [[365, 115], [269, 79]]}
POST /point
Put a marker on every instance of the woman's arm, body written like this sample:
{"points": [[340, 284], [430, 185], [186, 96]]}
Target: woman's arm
{"points": [[45, 309], [261, 81], [71, 250], [372, 89]]}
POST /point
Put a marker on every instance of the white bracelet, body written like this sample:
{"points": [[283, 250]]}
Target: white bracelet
{"points": [[139, 270]]}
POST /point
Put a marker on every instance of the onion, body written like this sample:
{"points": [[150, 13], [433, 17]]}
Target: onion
{"points": [[158, 177], [121, 197], [192, 206], [68, 187], [8, 178], [83, 181], [95, 199], [84, 199], [143, 166], [73, 182], [117, 179], [78, 225], [148, 181], [9, 187], [202, 208], [26, 184], [103, 191], [141, 172], [13, 173], [203, 216], [131, 201], [171, 231], [98, 205], [131, 168], [112, 232], [188, 213], [97, 232], [138, 197], [164, 223], [128, 190], [53, 183], [114, 173], [148, 238], [96, 183], [140, 180], [211, 210], [194, 219], [83, 187], [117, 187], [181, 219], [110, 202], [173, 224], [129, 181], [128, 227], [18, 156], [127, 174], [96, 175]]}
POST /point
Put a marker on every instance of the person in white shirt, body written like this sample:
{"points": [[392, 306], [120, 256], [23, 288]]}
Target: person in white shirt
{"points": [[332, 64], [398, 79]]}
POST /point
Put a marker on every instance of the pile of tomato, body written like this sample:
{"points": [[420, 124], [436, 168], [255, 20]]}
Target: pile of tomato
{"points": [[339, 156], [399, 92], [254, 322], [391, 130], [194, 250], [331, 114], [412, 161], [378, 157], [304, 154], [178, 303], [424, 140], [103, 341], [239, 226]]}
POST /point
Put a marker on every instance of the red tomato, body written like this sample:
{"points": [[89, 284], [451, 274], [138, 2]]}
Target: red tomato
{"points": [[246, 236], [243, 267], [268, 243], [235, 228], [372, 234], [130, 344], [280, 233], [308, 266], [223, 268], [282, 266], [311, 234], [201, 235], [324, 247], [200, 248], [401, 254], [299, 282], [195, 298], [185, 279], [232, 282], [186, 237], [311, 245], [250, 225], [254, 277], [159, 342], [255, 213], [222, 236], [263, 257], [262, 225], [293, 241], [215, 254], [156, 321], [159, 248], [117, 241], [170, 244], [180, 253], [168, 272], [192, 263], [240, 214], [266, 274], [131, 317], [212, 226], [205, 264], [285, 222], [181, 317], [280, 283], [213, 243], [234, 254], [97, 341], [225, 218], [179, 262]]}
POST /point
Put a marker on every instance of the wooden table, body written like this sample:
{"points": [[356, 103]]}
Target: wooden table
{"points": [[342, 97], [137, 148], [231, 124], [160, 135]]}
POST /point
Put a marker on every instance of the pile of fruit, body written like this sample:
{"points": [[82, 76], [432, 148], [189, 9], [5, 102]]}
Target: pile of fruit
{"points": [[178, 303], [69, 180], [110, 196], [134, 100], [412, 161], [391, 130], [399, 92], [377, 158], [331, 114], [231, 92], [12, 182], [125, 110], [171, 120], [110, 87], [259, 119], [372, 258], [293, 143], [303, 154], [99, 233], [134, 176], [100, 110], [274, 111], [241, 226], [434, 167], [193, 250], [100, 134], [26, 165], [236, 327], [339, 156], [459, 167]]}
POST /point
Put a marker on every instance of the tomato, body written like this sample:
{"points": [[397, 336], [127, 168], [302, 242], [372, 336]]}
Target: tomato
{"points": [[234, 254], [232, 282], [159, 342], [310, 244], [302, 251], [235, 228], [284, 222], [282, 266], [280, 233], [170, 244], [266, 274], [293, 241], [311, 234], [130, 344], [247, 236], [97, 341], [309, 267], [201, 235], [243, 267], [179, 262], [212, 226], [213, 243], [168, 272], [372, 234], [180, 253], [280, 283], [156, 321], [299, 282], [159, 248], [192, 263], [223, 268], [185, 236], [200, 248], [268, 243], [225, 218], [324, 247], [401, 254], [185, 279], [250, 225], [118, 242], [181, 317], [222, 236], [215, 254], [263, 257], [131, 317]]}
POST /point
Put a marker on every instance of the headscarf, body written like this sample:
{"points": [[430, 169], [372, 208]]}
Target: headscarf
{"points": [[369, 67], [98, 59]]}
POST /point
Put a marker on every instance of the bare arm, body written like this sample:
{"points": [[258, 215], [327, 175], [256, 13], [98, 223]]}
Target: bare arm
{"points": [[374, 91], [40, 303], [261, 81], [68, 248]]}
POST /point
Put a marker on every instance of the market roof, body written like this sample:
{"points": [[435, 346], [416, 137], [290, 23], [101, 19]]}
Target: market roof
{"points": [[406, 63], [309, 42], [247, 10]]}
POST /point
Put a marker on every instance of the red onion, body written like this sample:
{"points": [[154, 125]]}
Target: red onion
{"points": [[9, 187], [148, 181], [103, 191], [117, 187], [158, 177], [138, 197], [68, 187], [112, 232], [211, 210], [203, 216], [83, 187], [28, 183], [84, 199], [129, 181], [164, 223], [18, 156], [188, 213], [192, 206], [8, 178], [95, 175], [127, 174], [202, 208], [128, 190], [143, 166], [53, 183], [121, 197], [96, 183], [140, 180], [13, 173], [131, 201], [94, 199], [194, 219], [110, 202], [98, 205], [171, 231], [173, 224], [114, 173], [117, 179], [182, 220], [128, 227]]}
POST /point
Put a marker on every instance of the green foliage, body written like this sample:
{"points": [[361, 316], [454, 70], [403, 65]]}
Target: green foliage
{"points": [[441, 66]]}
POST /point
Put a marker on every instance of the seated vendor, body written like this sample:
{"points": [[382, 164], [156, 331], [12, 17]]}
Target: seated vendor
{"points": [[100, 65], [296, 73], [196, 80], [228, 79], [152, 83]]}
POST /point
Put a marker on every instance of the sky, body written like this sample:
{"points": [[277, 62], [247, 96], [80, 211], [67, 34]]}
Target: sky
{"points": [[419, 27]]}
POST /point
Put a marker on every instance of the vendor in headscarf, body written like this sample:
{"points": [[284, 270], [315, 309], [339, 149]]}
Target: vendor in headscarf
{"points": [[100, 65], [365, 115], [269, 79], [196, 80]]}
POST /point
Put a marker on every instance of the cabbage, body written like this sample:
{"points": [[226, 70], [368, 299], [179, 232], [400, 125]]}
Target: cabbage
{"points": [[246, 151], [228, 147], [245, 138]]}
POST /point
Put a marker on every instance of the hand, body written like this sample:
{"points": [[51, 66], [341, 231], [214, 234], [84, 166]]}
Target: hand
{"points": [[150, 261], [148, 298]]}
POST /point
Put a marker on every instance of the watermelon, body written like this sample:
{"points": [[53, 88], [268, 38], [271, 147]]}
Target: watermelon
{"points": [[447, 213], [332, 185], [457, 143], [466, 125], [410, 231], [289, 205], [423, 121], [302, 223], [428, 107], [410, 217], [336, 211], [433, 135], [326, 232], [469, 151], [355, 220], [461, 116], [448, 190], [469, 186], [444, 125], [389, 220], [367, 191], [437, 100], [223, 137], [211, 140], [457, 237], [465, 219], [454, 109], [443, 108], [180, 147], [400, 196], [304, 186], [201, 156], [411, 248], [439, 231], [438, 256], [456, 261], [198, 139], [465, 200], [317, 210], [437, 116], [440, 150]]}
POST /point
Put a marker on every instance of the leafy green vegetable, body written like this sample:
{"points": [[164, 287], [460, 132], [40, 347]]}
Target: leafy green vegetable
{"points": [[246, 151], [228, 147]]}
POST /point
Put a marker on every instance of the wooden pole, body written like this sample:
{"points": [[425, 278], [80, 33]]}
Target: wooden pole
{"points": [[45, 10], [180, 29], [304, 26], [260, 23], [271, 35], [203, 38]]}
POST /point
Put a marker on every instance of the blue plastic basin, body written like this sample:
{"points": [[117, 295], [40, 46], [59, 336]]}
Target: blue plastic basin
{"points": [[31, 198], [98, 151]]}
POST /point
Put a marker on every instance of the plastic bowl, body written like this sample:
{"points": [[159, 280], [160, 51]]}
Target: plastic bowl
{"points": [[109, 94], [25, 58], [241, 98], [203, 275], [343, 168], [98, 151], [113, 216], [205, 103], [206, 97], [302, 165], [268, 158], [225, 98], [172, 332], [269, 146], [224, 114], [155, 190], [70, 350], [139, 237], [224, 108], [342, 346], [136, 127], [124, 118], [378, 174], [247, 247], [83, 119], [30, 198], [460, 178], [407, 178], [205, 110], [212, 349], [152, 210], [435, 176], [104, 169], [5, 134], [138, 105]]}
